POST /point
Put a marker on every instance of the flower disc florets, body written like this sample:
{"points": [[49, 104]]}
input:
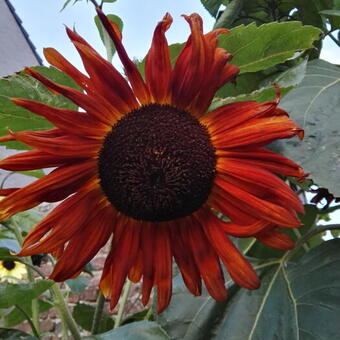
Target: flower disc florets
{"points": [[157, 164]]}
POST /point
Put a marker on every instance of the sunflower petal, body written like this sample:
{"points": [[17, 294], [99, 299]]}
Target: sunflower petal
{"points": [[157, 63]]}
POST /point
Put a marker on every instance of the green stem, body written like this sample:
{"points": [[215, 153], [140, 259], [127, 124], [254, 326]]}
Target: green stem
{"points": [[30, 275], [64, 312], [312, 232], [122, 303], [29, 320], [229, 14], [98, 313]]}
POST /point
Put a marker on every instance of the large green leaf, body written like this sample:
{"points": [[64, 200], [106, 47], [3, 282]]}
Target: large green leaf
{"points": [[315, 106], [258, 48], [14, 334], [21, 85], [15, 294], [141, 330], [84, 314], [295, 301], [286, 80]]}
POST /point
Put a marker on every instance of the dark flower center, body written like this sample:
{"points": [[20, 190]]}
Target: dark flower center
{"points": [[157, 164], [9, 265]]}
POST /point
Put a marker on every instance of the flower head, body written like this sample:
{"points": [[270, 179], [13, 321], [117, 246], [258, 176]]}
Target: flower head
{"points": [[12, 271], [144, 162]]}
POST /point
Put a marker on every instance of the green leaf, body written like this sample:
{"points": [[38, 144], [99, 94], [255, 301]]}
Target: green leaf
{"points": [[258, 48], [21, 85], [14, 294], [14, 334], [295, 301], [84, 314], [315, 106], [104, 36], [77, 285], [141, 330], [15, 316], [333, 16]]}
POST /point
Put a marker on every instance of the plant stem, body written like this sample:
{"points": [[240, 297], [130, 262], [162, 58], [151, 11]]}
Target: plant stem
{"points": [[229, 14], [98, 313], [122, 303], [30, 275], [64, 312], [34, 330]]}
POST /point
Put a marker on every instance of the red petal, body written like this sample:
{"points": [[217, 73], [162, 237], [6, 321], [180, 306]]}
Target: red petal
{"points": [[276, 239], [207, 261], [57, 60], [238, 267], [257, 207], [148, 247], [163, 266], [257, 132], [86, 243], [62, 223], [32, 160], [157, 63], [65, 145], [53, 187], [180, 246], [97, 108], [70, 121], [266, 185], [265, 159], [124, 252], [136, 80]]}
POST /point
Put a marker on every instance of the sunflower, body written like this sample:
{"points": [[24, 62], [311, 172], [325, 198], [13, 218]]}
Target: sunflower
{"points": [[144, 163], [12, 271]]}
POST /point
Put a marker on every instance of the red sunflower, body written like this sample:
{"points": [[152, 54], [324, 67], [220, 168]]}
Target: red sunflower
{"points": [[143, 162]]}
